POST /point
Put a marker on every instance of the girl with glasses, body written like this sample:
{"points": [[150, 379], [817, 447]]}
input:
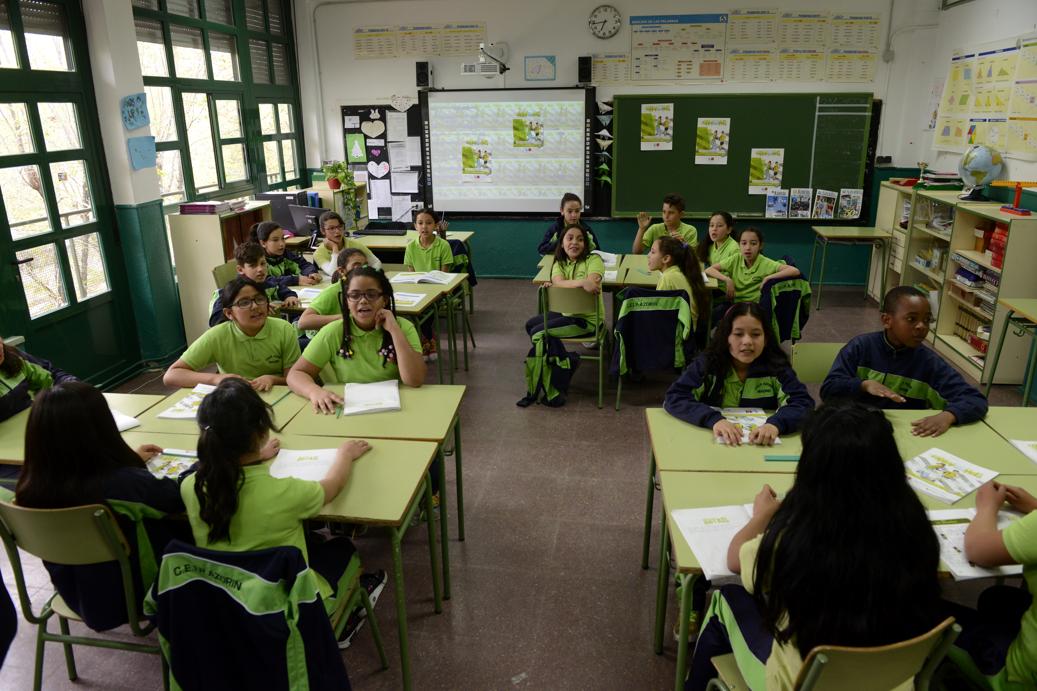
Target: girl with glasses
{"points": [[334, 228]]}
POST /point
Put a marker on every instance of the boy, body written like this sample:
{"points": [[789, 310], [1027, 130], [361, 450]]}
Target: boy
{"points": [[570, 209], [891, 369], [647, 232], [251, 260]]}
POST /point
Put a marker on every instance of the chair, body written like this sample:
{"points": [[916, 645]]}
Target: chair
{"points": [[813, 361], [225, 273], [652, 332], [76, 536], [463, 263], [787, 304], [841, 668], [579, 301]]}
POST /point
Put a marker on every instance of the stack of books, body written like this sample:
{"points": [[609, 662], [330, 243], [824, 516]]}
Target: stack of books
{"points": [[204, 207], [933, 180]]}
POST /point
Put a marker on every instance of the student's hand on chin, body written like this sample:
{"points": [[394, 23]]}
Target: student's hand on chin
{"points": [[148, 451], [324, 402], [764, 435], [933, 425], [729, 432], [385, 319], [870, 386], [263, 383], [270, 449]]}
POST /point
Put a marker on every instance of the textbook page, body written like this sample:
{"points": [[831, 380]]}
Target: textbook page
{"points": [[747, 420], [171, 462], [308, 464], [307, 295], [607, 258], [945, 476], [436, 277], [1028, 448], [187, 407], [123, 421], [407, 299], [377, 397], [949, 526], [709, 531]]}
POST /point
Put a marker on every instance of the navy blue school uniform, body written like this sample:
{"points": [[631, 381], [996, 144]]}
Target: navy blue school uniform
{"points": [[918, 374], [554, 233], [16, 396], [286, 269]]}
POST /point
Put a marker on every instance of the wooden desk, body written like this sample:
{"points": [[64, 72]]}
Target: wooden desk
{"points": [[439, 293], [847, 235], [400, 242], [285, 403], [638, 275], [1013, 422], [543, 275], [297, 243], [1022, 313]]}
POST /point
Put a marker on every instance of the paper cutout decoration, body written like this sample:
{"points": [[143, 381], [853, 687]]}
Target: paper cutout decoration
{"points": [[604, 143], [134, 111], [603, 168], [604, 179], [604, 106], [604, 154], [376, 152], [603, 133], [373, 128], [379, 170], [605, 119], [142, 152], [402, 103], [375, 115], [355, 152]]}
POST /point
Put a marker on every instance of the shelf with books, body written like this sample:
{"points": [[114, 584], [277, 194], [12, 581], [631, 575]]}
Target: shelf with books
{"points": [[927, 272], [945, 237], [892, 213], [969, 307]]}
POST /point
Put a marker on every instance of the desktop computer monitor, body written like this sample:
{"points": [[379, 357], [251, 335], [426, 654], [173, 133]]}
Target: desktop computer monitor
{"points": [[305, 218]]}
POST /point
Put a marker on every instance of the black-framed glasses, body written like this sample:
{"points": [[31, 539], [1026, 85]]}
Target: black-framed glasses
{"points": [[334, 227], [358, 295], [247, 303]]}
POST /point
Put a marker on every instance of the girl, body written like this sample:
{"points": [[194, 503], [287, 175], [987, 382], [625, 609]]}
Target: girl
{"points": [[333, 227], [234, 504], [815, 567], [721, 244], [742, 367], [74, 455], [570, 209], [745, 273], [680, 270], [326, 307], [284, 268], [21, 377], [428, 252], [249, 345], [370, 345]]}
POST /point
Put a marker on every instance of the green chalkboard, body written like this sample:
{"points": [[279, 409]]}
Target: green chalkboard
{"points": [[824, 137]]}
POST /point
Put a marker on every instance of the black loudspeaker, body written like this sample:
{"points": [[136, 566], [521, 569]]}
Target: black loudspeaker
{"points": [[583, 70], [423, 74]]}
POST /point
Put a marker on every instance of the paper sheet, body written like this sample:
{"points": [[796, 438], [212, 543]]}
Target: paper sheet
{"points": [[309, 464], [124, 422], [381, 192], [397, 126], [398, 158], [708, 532], [372, 209], [612, 276], [1029, 448], [351, 122], [187, 407], [171, 462], [414, 150], [401, 208], [607, 258], [949, 526], [407, 299], [747, 419], [405, 182]]}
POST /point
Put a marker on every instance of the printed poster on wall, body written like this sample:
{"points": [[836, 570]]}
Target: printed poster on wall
{"points": [[656, 127], [765, 170], [527, 128], [476, 161], [712, 137], [356, 152]]}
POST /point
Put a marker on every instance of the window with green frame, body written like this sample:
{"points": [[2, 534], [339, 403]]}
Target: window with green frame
{"points": [[222, 95]]}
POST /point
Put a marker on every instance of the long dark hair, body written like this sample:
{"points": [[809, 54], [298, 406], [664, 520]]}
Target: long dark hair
{"points": [[850, 557], [229, 293], [259, 232], [342, 260], [561, 256], [71, 447], [345, 350], [718, 353], [232, 420], [688, 263], [706, 243], [12, 363]]}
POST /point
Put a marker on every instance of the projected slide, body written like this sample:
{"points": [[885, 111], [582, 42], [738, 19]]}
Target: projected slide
{"points": [[506, 151]]}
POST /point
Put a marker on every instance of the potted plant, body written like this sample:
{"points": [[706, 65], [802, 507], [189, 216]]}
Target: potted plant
{"points": [[340, 177], [336, 174]]}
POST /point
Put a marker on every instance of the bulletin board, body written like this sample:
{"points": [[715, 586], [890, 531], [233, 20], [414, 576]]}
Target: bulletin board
{"points": [[383, 147]]}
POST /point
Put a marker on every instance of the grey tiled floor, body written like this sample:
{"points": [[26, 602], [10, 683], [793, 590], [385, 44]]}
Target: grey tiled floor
{"points": [[547, 588]]}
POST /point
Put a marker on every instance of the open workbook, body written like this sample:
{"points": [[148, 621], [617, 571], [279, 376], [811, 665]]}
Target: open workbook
{"points": [[438, 277], [377, 397], [187, 407], [171, 462], [949, 526], [746, 419]]}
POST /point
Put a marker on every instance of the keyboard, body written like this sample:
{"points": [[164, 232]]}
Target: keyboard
{"points": [[381, 231]]}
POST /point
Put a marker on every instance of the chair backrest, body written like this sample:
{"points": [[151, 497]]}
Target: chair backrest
{"points": [[225, 273], [74, 536], [571, 300], [841, 668], [652, 330], [812, 361], [787, 303]]}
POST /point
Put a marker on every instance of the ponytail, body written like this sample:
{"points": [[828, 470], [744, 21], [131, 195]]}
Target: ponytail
{"points": [[684, 258], [259, 232], [703, 248]]}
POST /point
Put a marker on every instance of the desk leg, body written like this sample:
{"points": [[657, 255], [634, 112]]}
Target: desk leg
{"points": [[647, 541], [401, 600], [687, 585], [444, 528], [821, 274], [439, 341], [1029, 374], [997, 356], [464, 329], [458, 478], [433, 554], [661, 589], [451, 338], [885, 267], [813, 253]]}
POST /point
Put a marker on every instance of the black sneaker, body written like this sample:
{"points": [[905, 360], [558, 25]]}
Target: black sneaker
{"points": [[526, 401], [353, 624], [374, 584]]}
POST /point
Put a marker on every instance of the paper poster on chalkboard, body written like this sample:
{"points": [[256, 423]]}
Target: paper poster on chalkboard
{"points": [[712, 137], [656, 127], [777, 204], [850, 203], [527, 130], [476, 161], [765, 170], [824, 204], [799, 202]]}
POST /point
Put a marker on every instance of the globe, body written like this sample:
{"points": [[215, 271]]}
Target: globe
{"points": [[980, 165]]}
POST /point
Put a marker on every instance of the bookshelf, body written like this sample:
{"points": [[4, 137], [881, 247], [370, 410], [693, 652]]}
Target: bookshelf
{"points": [[892, 213], [333, 200], [928, 244]]}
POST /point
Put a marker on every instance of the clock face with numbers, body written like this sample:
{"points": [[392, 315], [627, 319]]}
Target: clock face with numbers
{"points": [[605, 21]]}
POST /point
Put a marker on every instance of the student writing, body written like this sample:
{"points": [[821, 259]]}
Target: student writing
{"points": [[334, 228], [570, 210], [428, 252], [251, 263], [284, 267], [679, 270], [21, 377], [647, 232]]}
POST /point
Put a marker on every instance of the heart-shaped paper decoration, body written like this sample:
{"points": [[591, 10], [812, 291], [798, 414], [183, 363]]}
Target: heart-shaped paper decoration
{"points": [[372, 128], [402, 103], [376, 152], [378, 170]]}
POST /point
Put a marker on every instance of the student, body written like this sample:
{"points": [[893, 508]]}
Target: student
{"points": [[570, 208], [21, 377], [428, 252], [284, 267], [251, 263], [249, 345], [742, 367], [371, 345], [1003, 637], [75, 455], [745, 273], [721, 245], [808, 564], [234, 504], [890, 369], [673, 209], [333, 227], [327, 307], [679, 270]]}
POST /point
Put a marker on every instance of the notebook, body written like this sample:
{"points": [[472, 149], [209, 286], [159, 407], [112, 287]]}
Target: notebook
{"points": [[708, 532], [308, 464], [437, 277], [377, 397]]}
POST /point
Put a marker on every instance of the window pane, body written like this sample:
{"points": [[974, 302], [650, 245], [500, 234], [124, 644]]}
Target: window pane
{"points": [[273, 8], [267, 118], [288, 151], [46, 36], [8, 55], [15, 137], [273, 163], [72, 189], [234, 162], [160, 109], [284, 115], [219, 11], [186, 8], [282, 74], [22, 190], [254, 15], [229, 119], [260, 62], [188, 52], [199, 141], [60, 126], [146, 4], [87, 265], [224, 54], [42, 281], [170, 176], [151, 50]]}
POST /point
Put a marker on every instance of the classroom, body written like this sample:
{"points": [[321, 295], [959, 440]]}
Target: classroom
{"points": [[429, 344]]}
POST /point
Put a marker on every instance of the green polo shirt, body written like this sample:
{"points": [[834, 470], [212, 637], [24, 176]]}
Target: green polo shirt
{"points": [[748, 279], [38, 378], [366, 364], [728, 248], [328, 301], [658, 230], [1020, 538], [674, 279], [271, 351], [431, 259], [578, 271], [322, 256]]}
